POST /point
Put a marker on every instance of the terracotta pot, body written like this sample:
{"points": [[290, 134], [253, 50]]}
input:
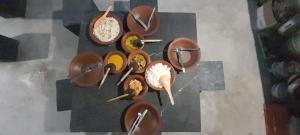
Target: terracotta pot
{"points": [[173, 73], [144, 12], [95, 39], [190, 58], [151, 123], [143, 53], [142, 80], [120, 54], [82, 60], [123, 42]]}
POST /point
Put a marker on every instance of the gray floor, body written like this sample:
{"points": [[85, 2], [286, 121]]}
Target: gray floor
{"points": [[27, 95]]}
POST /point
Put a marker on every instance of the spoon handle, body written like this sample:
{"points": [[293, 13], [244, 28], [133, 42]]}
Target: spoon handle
{"points": [[99, 21], [170, 96], [150, 40], [123, 78], [117, 98], [104, 77]]}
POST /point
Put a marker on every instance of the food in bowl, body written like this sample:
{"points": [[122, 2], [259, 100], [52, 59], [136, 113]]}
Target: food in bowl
{"points": [[154, 73], [108, 30], [140, 60], [136, 85], [129, 43], [117, 60]]}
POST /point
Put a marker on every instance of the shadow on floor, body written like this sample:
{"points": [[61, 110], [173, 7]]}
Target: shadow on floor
{"points": [[43, 9], [33, 46]]}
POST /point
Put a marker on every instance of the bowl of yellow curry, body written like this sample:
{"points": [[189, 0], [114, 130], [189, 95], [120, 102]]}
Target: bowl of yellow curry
{"points": [[127, 41], [118, 59], [141, 57]]}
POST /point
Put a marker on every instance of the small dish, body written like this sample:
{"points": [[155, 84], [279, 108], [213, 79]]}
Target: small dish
{"points": [[95, 39], [190, 59], [144, 84], [120, 55], [144, 12], [127, 44], [172, 71], [82, 60], [151, 123], [146, 56]]}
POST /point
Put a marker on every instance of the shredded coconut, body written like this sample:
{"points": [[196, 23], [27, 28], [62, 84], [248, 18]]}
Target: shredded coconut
{"points": [[108, 30], [154, 73]]}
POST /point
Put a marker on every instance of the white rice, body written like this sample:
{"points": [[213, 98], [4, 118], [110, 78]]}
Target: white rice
{"points": [[154, 73], [108, 30]]}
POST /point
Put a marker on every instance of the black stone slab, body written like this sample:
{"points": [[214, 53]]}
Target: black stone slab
{"points": [[8, 49], [63, 95], [151, 3], [33, 46], [90, 113]]}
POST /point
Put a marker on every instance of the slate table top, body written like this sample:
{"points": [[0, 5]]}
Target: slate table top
{"points": [[90, 112]]}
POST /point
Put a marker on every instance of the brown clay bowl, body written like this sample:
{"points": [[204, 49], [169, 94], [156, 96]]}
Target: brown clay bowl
{"points": [[95, 39], [144, 12], [124, 38], [151, 124], [173, 73], [190, 58], [82, 60], [143, 53], [139, 78], [120, 54]]}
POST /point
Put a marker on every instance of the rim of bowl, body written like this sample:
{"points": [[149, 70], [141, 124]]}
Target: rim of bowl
{"points": [[123, 57], [91, 29], [140, 78], [77, 82], [175, 65], [141, 52], [172, 70], [125, 36]]}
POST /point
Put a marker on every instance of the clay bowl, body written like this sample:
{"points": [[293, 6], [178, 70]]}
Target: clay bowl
{"points": [[144, 12], [89, 79], [143, 53], [139, 78], [124, 38], [190, 58], [173, 73], [95, 39], [120, 54], [151, 123]]}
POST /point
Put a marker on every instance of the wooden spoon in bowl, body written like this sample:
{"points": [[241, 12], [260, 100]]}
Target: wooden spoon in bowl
{"points": [[164, 80], [102, 18]]}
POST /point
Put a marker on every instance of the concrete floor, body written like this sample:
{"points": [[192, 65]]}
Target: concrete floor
{"points": [[28, 96]]}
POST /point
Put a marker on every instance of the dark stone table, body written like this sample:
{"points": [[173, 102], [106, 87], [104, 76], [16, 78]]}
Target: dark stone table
{"points": [[90, 112]]}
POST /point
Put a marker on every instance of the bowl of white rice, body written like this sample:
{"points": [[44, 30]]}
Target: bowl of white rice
{"points": [[108, 32], [157, 68]]}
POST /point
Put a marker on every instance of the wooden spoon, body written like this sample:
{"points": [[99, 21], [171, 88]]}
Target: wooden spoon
{"points": [[102, 18], [133, 67], [165, 81], [110, 68], [129, 93]]}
